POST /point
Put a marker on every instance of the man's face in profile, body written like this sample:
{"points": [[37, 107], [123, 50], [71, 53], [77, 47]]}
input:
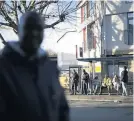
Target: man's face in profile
{"points": [[32, 33]]}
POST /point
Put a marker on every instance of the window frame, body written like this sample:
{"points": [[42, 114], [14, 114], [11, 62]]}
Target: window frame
{"points": [[91, 8], [128, 29]]}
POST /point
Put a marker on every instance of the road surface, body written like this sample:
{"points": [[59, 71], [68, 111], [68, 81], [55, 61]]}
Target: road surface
{"points": [[87, 111]]}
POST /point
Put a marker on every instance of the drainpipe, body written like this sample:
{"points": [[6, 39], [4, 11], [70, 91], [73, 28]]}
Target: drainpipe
{"points": [[113, 68], [105, 43]]}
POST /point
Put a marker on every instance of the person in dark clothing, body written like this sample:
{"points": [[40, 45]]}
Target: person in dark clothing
{"points": [[29, 85], [85, 80], [124, 80], [75, 82]]}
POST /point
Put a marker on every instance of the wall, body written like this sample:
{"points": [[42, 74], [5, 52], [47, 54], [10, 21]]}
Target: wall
{"points": [[95, 21], [114, 27], [118, 6]]}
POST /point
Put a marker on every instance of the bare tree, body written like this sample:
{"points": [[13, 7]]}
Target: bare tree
{"points": [[55, 11]]}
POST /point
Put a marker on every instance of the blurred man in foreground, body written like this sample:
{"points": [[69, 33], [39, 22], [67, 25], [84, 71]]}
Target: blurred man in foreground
{"points": [[29, 86]]}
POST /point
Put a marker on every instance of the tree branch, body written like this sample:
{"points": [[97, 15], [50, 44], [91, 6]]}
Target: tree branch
{"points": [[16, 13], [38, 6], [16, 32], [45, 5], [62, 17], [31, 4], [52, 25], [23, 2], [4, 24], [7, 18], [3, 40], [67, 6], [19, 8], [9, 6], [40, 2]]}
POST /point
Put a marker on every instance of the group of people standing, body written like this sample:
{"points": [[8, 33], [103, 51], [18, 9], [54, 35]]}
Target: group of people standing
{"points": [[90, 85], [75, 82]]}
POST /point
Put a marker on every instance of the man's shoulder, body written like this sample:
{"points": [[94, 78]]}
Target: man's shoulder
{"points": [[3, 64], [2, 59]]}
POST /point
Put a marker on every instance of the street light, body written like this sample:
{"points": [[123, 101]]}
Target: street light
{"points": [[64, 35]]}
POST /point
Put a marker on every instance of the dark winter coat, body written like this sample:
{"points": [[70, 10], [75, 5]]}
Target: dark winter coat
{"points": [[29, 88], [75, 78], [124, 76], [86, 77]]}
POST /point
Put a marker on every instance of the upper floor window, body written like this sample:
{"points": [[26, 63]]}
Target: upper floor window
{"points": [[127, 2], [91, 5], [130, 28], [84, 12], [128, 33], [91, 40]]}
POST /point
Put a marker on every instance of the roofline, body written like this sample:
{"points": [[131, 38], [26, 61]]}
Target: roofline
{"points": [[79, 3], [106, 59]]}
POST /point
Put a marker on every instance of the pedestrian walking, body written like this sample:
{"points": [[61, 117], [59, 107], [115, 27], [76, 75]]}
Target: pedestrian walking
{"points": [[29, 85], [124, 81]]}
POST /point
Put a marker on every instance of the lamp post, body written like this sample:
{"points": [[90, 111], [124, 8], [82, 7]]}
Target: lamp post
{"points": [[65, 34]]}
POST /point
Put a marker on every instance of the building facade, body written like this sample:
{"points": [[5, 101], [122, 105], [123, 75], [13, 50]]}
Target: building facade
{"points": [[117, 36], [90, 33], [106, 30]]}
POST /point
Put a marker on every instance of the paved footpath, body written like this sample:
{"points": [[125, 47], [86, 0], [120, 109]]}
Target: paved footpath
{"points": [[100, 98]]}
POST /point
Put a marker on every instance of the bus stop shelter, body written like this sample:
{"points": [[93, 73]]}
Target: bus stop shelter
{"points": [[111, 59]]}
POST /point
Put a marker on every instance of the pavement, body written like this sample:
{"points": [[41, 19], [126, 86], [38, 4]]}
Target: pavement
{"points": [[100, 98], [100, 111]]}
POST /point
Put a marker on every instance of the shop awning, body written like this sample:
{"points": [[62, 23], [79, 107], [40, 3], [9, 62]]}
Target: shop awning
{"points": [[120, 58]]}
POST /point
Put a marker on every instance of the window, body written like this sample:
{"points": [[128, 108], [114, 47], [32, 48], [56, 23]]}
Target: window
{"points": [[76, 51], [81, 51], [90, 37], [130, 28], [84, 13], [127, 2], [91, 5], [84, 38], [94, 42]]}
